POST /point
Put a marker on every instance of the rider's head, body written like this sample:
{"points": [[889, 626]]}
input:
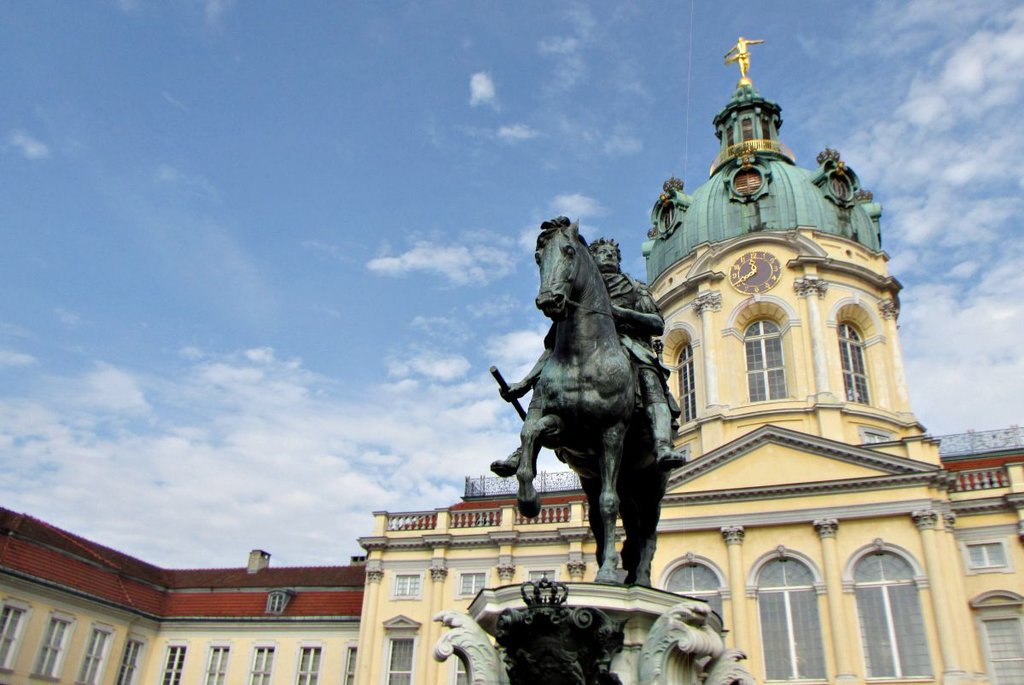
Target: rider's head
{"points": [[607, 255]]}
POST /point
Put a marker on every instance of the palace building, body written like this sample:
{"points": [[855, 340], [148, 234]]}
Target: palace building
{"points": [[839, 542]]}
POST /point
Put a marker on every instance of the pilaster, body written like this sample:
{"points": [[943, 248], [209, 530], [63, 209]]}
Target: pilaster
{"points": [[733, 537], [811, 289], [827, 530], [703, 305]]}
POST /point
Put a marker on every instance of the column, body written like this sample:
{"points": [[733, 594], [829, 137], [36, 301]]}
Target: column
{"points": [[812, 289], [827, 530], [432, 630], [733, 536], [703, 305], [926, 520], [369, 640], [890, 311]]}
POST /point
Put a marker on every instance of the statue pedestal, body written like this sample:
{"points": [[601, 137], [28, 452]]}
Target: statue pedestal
{"points": [[608, 634]]}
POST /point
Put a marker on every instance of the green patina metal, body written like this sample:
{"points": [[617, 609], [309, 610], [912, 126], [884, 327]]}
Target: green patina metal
{"points": [[755, 185]]}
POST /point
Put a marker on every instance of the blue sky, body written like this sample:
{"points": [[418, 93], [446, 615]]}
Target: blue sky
{"points": [[256, 259]]}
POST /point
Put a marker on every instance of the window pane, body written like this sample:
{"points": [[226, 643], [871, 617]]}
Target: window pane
{"points": [[895, 568], [1005, 650], [755, 356], [909, 628], [756, 385], [775, 635], [874, 633], [777, 384], [810, 652]]}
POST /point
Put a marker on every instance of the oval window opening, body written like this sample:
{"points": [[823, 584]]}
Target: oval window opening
{"points": [[747, 181]]}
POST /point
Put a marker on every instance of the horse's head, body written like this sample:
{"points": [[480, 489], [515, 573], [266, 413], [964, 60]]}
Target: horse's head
{"points": [[559, 249]]}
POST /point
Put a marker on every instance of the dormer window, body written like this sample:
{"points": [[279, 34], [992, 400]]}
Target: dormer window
{"points": [[277, 600]]}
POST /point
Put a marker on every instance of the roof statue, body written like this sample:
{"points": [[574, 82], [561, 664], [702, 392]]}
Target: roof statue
{"points": [[741, 56]]}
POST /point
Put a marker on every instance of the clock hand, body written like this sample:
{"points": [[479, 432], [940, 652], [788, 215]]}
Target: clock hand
{"points": [[750, 274]]}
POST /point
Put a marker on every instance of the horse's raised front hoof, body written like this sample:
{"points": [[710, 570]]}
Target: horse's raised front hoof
{"points": [[670, 461], [505, 468], [528, 502]]}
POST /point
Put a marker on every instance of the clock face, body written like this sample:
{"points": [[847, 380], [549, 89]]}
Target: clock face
{"points": [[755, 272]]}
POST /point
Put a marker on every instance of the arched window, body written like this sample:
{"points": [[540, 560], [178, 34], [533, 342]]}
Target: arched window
{"points": [[697, 580], [891, 626], [790, 627], [687, 387], [766, 376], [855, 375]]}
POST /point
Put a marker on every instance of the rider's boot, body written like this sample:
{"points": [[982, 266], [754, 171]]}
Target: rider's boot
{"points": [[661, 428], [507, 467]]}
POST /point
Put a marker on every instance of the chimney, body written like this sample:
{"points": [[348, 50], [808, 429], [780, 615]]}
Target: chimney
{"points": [[258, 560]]}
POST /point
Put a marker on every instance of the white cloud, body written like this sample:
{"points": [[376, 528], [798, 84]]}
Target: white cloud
{"points": [[28, 146], [433, 365], [240, 447], [620, 145], [576, 205], [108, 388], [13, 358], [516, 132], [67, 317], [481, 90], [215, 9], [460, 264]]}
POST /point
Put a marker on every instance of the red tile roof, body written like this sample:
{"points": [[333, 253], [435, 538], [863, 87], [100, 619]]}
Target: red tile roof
{"points": [[35, 549]]}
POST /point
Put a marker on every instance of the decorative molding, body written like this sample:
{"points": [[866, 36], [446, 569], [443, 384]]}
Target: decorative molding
{"points": [[827, 528], [709, 300], [805, 286], [684, 627], [949, 518], [438, 570], [577, 568], [925, 519], [467, 638], [506, 571], [374, 572], [733, 535], [888, 309]]}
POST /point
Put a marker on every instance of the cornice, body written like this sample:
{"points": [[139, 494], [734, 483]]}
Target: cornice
{"points": [[802, 441], [828, 264], [987, 505]]}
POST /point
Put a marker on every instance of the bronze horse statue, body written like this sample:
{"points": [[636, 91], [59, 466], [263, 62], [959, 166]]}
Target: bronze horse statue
{"points": [[585, 407]]}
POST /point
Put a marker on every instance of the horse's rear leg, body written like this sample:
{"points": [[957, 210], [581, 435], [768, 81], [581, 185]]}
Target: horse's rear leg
{"points": [[610, 460], [534, 428]]}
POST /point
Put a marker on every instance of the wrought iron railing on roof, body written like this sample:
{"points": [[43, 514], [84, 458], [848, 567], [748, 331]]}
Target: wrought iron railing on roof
{"points": [[977, 442], [546, 481], [749, 147]]}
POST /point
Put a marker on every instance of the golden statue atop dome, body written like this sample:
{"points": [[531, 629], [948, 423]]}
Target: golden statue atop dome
{"points": [[739, 54]]}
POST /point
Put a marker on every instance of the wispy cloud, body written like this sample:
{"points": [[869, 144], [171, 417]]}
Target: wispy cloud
{"points": [[516, 132], [173, 101], [326, 249], [476, 262], [481, 90], [576, 205], [15, 358], [431, 364], [68, 318], [28, 146]]}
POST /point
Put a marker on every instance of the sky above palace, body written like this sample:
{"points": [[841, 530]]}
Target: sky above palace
{"points": [[256, 258]]}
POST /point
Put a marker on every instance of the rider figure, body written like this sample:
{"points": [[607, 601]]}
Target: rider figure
{"points": [[636, 319]]}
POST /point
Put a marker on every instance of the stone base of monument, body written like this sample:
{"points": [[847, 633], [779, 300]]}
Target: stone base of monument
{"points": [[589, 634]]}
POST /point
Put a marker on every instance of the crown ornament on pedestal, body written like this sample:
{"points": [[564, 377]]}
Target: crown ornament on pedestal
{"points": [[544, 593]]}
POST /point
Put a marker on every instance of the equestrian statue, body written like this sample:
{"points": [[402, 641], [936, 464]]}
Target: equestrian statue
{"points": [[600, 397]]}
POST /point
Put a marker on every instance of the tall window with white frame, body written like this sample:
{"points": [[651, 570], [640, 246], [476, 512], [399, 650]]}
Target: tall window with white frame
{"points": [[174, 665], [95, 654], [400, 661], [891, 624], [766, 373], [11, 621], [309, 666], [49, 658], [851, 353], [217, 665], [262, 666], [472, 583], [129, 662], [687, 385], [697, 580], [350, 665], [1004, 643], [407, 585], [790, 626]]}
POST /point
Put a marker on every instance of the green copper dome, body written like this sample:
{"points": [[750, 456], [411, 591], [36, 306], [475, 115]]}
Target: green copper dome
{"points": [[756, 186]]}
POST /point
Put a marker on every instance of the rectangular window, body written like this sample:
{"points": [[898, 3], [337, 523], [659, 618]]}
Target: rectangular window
{"points": [[262, 666], [472, 583], [217, 665], [536, 576], [350, 666], [174, 665], [400, 662], [687, 385], [11, 621], [129, 663], [986, 555], [461, 676], [95, 653], [407, 585], [309, 666], [48, 661], [1005, 642]]}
